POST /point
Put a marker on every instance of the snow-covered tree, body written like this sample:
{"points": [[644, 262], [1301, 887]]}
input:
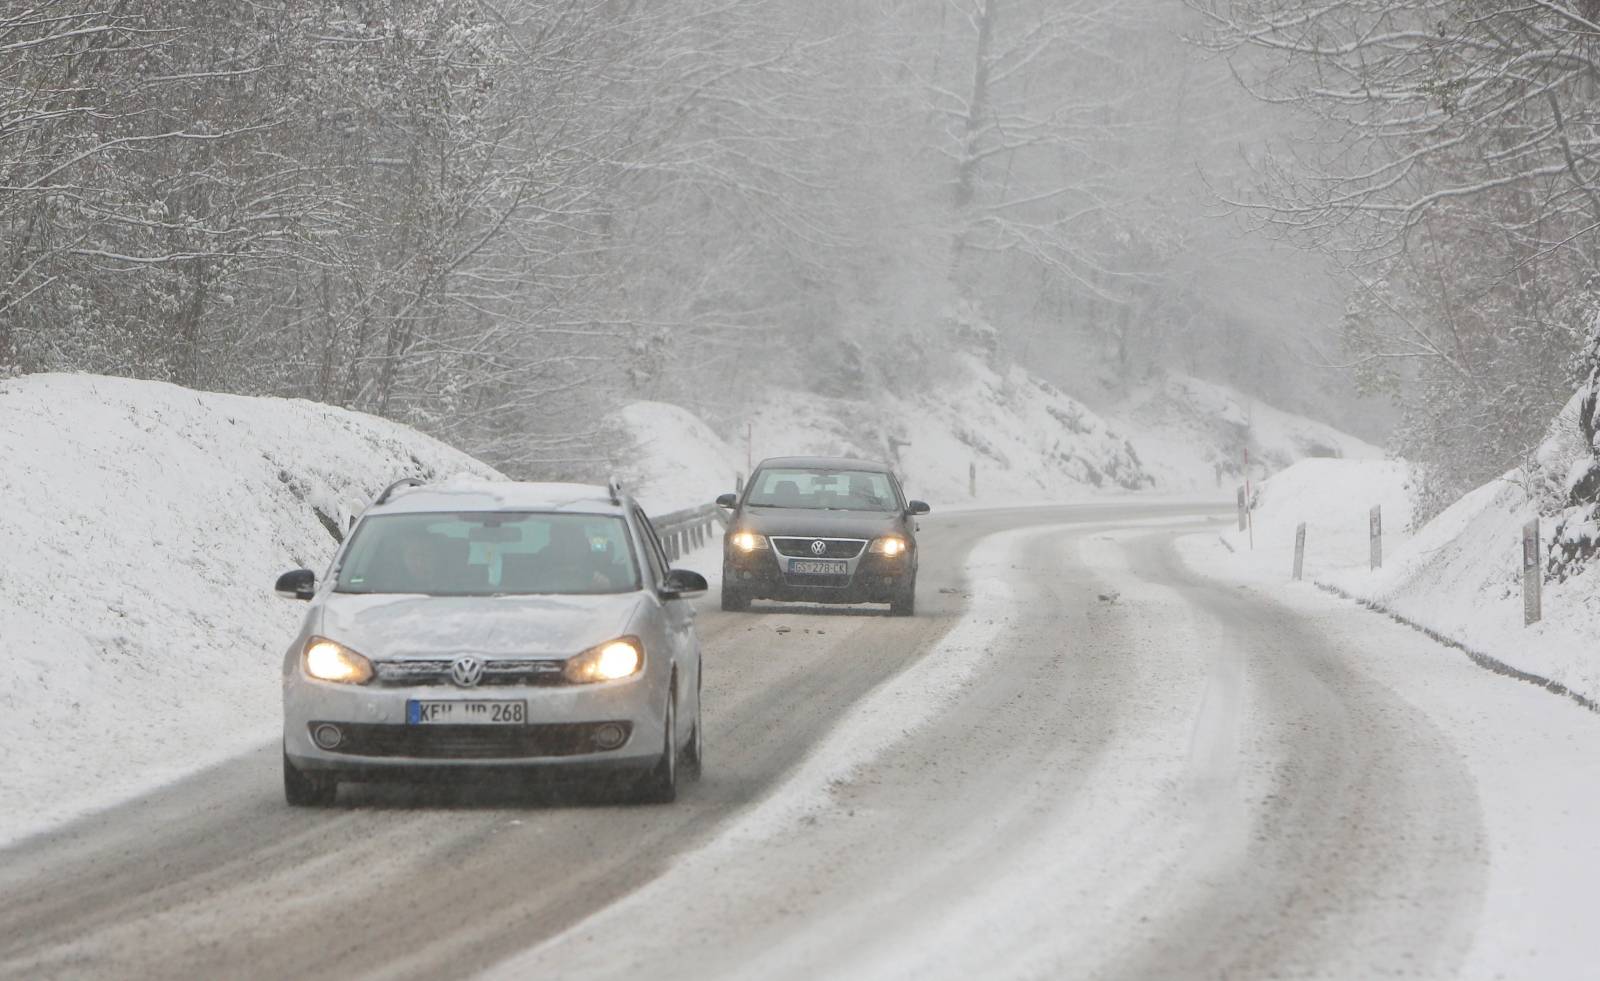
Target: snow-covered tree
{"points": [[1451, 169]]}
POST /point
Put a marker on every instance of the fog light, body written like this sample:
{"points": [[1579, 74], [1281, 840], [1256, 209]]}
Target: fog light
{"points": [[327, 736], [610, 736]]}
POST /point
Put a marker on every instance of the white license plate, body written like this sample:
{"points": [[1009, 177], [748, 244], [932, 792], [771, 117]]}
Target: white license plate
{"points": [[459, 712], [809, 567]]}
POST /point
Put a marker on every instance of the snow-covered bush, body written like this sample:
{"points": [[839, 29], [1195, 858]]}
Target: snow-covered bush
{"points": [[1577, 533]]}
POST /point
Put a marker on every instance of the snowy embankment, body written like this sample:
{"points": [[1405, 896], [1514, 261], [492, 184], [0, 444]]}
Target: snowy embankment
{"points": [[1459, 575], [1027, 441], [144, 525], [677, 462], [1194, 434]]}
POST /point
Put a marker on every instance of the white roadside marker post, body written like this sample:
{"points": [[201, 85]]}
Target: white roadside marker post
{"points": [[1249, 501], [1241, 507], [1532, 575], [972, 479], [1375, 522], [1299, 551]]}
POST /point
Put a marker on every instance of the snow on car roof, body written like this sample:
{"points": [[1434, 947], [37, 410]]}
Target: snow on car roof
{"points": [[468, 494], [824, 463]]}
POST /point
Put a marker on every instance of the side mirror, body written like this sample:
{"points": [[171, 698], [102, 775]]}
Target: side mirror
{"points": [[681, 583], [917, 507], [301, 584], [728, 501]]}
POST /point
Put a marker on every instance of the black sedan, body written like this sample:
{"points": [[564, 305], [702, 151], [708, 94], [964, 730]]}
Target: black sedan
{"points": [[821, 530]]}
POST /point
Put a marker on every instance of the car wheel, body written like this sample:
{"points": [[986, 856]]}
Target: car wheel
{"points": [[734, 600], [904, 601], [695, 755], [660, 785], [303, 789]]}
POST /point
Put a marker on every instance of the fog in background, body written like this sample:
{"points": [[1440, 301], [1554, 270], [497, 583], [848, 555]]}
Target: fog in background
{"points": [[497, 221]]}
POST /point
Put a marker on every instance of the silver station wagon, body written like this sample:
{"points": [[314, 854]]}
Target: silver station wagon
{"points": [[478, 628]]}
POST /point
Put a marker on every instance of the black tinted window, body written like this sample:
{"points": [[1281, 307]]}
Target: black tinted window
{"points": [[839, 490]]}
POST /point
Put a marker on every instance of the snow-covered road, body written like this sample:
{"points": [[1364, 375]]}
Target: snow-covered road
{"points": [[1088, 757]]}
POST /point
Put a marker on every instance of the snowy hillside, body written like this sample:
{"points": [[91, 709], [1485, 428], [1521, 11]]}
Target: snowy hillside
{"points": [[1193, 434], [673, 460], [1029, 441], [1459, 575], [144, 525]]}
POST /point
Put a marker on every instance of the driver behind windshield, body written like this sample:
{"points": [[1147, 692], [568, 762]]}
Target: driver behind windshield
{"points": [[475, 555]]}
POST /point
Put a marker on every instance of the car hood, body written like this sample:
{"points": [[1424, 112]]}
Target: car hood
{"points": [[802, 523], [400, 626]]}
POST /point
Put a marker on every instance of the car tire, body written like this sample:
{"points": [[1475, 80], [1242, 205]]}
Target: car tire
{"points": [[303, 789], [694, 755], [660, 784], [734, 600], [904, 601]]}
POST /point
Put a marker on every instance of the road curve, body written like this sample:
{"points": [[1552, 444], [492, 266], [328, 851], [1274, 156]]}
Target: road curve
{"points": [[214, 876], [1154, 776]]}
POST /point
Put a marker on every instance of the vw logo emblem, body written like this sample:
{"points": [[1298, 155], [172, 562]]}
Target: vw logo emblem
{"points": [[819, 548], [467, 671]]}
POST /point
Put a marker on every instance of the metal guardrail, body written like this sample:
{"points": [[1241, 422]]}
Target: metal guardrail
{"points": [[687, 530]]}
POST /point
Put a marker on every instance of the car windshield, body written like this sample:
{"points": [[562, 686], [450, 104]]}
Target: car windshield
{"points": [[823, 489], [489, 554]]}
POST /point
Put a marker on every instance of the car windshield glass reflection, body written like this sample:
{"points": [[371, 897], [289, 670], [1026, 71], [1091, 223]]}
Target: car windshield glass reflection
{"points": [[835, 490], [489, 555]]}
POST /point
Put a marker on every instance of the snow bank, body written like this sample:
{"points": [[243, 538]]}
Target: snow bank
{"points": [[675, 460], [1458, 576], [1334, 498], [1193, 434], [144, 525], [1029, 441]]}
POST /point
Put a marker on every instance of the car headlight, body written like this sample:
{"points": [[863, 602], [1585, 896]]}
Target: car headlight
{"points": [[328, 661], [610, 661], [748, 541], [890, 546]]}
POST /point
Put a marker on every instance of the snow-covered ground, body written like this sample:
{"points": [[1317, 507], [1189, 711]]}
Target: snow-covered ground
{"points": [[1530, 754], [1028, 441], [1202, 781], [676, 461], [1193, 434], [144, 525], [1459, 575]]}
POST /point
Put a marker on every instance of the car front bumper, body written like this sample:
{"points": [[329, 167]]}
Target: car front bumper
{"points": [[564, 723], [872, 578]]}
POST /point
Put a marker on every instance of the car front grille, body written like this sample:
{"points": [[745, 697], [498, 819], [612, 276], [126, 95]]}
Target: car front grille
{"points": [[833, 548], [454, 742], [496, 672]]}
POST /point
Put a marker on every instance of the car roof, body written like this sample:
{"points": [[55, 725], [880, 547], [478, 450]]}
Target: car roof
{"points": [[463, 494], [824, 463]]}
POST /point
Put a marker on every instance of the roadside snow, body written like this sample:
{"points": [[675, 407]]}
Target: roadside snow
{"points": [[144, 525], [1027, 441], [1530, 753], [1193, 434], [677, 462], [1334, 499], [1458, 576]]}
